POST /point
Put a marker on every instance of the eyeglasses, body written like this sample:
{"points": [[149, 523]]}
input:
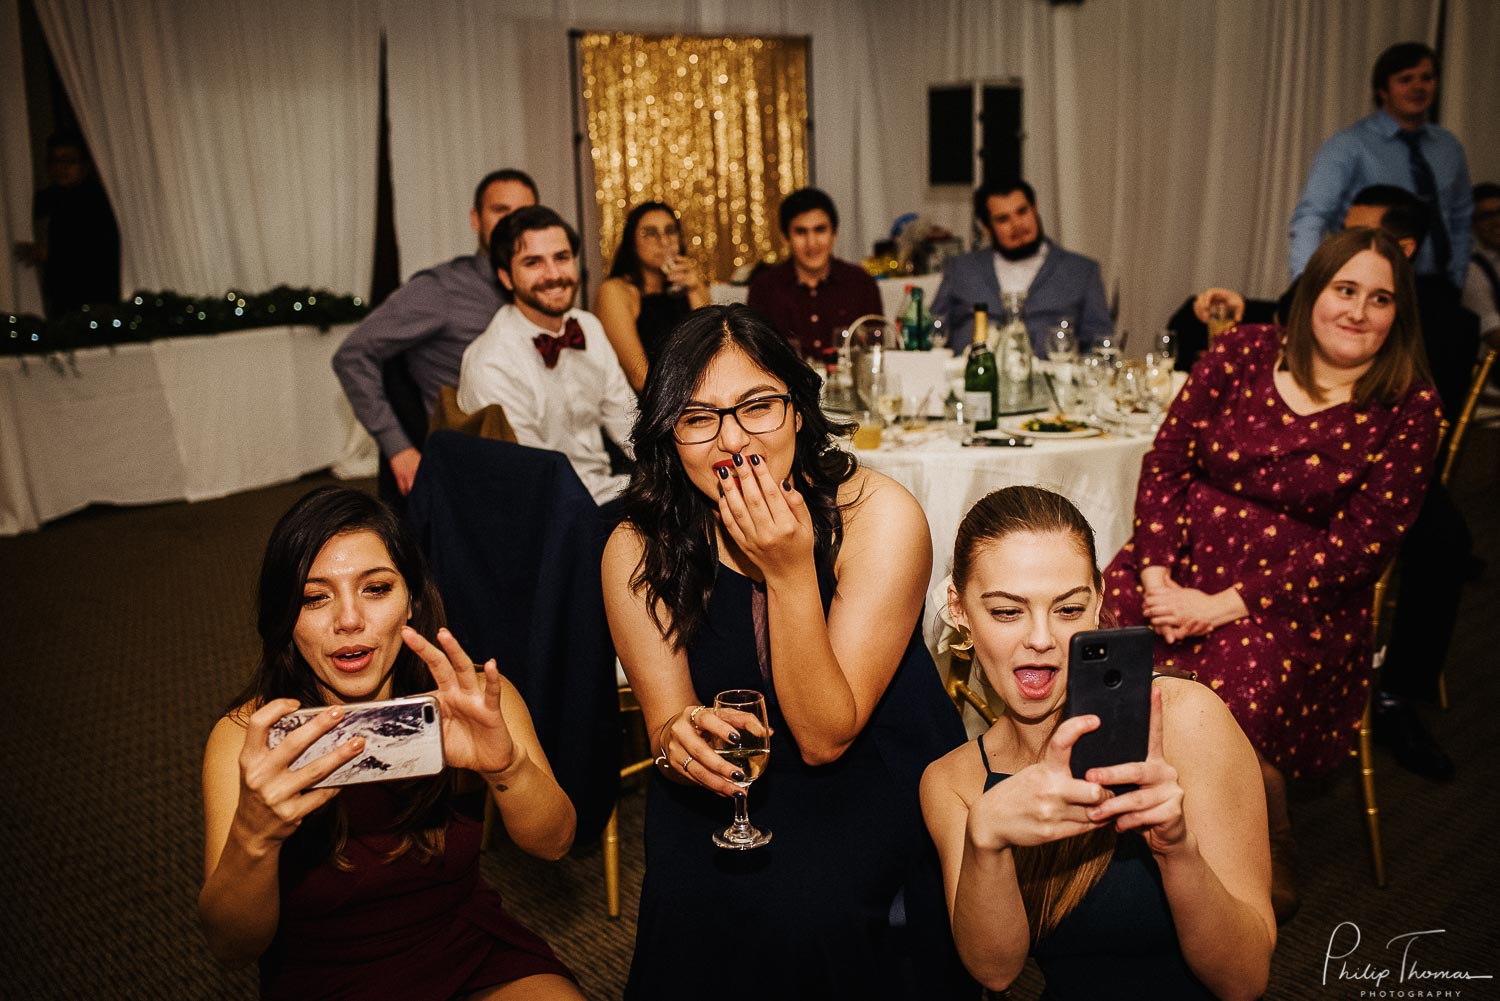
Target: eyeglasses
{"points": [[652, 233], [761, 415]]}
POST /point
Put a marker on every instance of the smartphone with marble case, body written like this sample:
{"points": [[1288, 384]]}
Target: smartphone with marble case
{"points": [[403, 739], [1109, 676]]}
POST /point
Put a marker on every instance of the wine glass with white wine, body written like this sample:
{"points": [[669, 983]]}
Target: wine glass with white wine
{"points": [[744, 710]]}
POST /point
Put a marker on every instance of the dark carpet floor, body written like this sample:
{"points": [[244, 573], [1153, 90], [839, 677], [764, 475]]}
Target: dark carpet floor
{"points": [[124, 632]]}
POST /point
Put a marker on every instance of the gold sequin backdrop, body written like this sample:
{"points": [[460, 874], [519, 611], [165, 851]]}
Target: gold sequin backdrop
{"points": [[714, 127]]}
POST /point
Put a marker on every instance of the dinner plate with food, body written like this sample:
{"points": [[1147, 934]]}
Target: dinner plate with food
{"points": [[1045, 426]]}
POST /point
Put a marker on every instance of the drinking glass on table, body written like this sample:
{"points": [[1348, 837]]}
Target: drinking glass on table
{"points": [[744, 710], [1062, 344], [888, 396], [1164, 347]]}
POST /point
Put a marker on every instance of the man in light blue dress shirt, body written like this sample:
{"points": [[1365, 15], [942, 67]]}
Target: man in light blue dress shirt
{"points": [[1395, 145]]}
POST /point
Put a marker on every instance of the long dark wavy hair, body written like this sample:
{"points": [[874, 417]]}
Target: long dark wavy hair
{"points": [[674, 519], [627, 262], [282, 672]]}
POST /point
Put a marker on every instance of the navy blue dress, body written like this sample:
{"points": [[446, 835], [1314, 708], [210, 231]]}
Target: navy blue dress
{"points": [[1119, 942], [847, 900]]}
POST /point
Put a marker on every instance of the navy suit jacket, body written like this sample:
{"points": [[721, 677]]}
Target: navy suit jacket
{"points": [[1068, 287], [515, 542]]}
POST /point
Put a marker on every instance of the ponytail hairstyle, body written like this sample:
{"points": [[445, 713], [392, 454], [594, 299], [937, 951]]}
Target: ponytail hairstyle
{"points": [[1056, 876]]}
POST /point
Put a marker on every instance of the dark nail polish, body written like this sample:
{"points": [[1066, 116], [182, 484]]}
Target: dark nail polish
{"points": [[786, 484], [739, 776], [739, 460], [723, 473], [754, 460], [733, 738]]}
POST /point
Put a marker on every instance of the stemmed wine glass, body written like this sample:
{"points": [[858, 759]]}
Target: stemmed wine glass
{"points": [[744, 710]]}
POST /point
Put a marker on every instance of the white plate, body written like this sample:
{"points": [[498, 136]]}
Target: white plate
{"points": [[1015, 426]]}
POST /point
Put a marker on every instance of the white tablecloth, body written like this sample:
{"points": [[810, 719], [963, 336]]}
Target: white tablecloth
{"points": [[187, 418], [1097, 474]]}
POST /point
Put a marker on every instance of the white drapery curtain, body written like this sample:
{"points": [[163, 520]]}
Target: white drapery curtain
{"points": [[237, 140], [475, 86], [1167, 138], [19, 289], [1471, 83]]}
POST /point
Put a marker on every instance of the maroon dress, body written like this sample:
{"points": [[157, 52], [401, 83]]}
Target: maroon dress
{"points": [[401, 929], [1300, 513]]}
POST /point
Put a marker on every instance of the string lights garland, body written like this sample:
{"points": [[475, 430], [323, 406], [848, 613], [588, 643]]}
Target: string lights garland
{"points": [[151, 316]]}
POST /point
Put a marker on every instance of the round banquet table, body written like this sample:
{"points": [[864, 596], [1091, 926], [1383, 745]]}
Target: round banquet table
{"points": [[1098, 474]]}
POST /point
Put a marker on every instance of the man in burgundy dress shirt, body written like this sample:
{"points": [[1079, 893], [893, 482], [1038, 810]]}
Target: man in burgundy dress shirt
{"points": [[812, 295]]}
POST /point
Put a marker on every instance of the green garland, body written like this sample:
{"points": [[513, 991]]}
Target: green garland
{"points": [[151, 316]]}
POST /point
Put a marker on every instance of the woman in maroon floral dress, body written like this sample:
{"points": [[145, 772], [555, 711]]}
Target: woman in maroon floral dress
{"points": [[1276, 492]]}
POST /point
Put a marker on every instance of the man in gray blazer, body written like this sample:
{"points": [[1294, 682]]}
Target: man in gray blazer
{"points": [[1059, 284]]}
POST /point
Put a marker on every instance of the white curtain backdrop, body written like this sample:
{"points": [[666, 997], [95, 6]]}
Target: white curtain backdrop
{"points": [[19, 290], [1167, 138], [1471, 83], [237, 140]]}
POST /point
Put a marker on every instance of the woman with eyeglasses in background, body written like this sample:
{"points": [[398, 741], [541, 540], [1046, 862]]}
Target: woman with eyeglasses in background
{"points": [[652, 285]]}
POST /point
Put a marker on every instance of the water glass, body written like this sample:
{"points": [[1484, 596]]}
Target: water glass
{"points": [[1062, 343], [1164, 346]]}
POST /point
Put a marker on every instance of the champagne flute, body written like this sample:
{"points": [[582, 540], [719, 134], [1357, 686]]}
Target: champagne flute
{"points": [[888, 396], [744, 710]]}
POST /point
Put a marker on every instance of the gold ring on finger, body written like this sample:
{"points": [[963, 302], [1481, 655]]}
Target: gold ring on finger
{"points": [[693, 717], [687, 763]]}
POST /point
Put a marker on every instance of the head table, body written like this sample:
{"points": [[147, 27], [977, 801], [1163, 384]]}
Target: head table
{"points": [[1097, 474], [186, 418]]}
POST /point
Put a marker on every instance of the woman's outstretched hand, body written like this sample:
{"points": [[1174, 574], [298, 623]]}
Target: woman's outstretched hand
{"points": [[475, 736], [769, 521], [1041, 802], [1155, 808]]}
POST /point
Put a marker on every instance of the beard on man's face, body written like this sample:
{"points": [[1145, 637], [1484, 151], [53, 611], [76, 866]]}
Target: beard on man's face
{"points": [[1025, 250], [532, 296]]}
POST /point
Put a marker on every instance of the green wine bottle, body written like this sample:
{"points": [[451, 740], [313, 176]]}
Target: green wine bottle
{"points": [[981, 377]]}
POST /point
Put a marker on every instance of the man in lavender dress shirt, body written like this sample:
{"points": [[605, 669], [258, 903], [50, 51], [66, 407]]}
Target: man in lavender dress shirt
{"points": [[425, 325]]}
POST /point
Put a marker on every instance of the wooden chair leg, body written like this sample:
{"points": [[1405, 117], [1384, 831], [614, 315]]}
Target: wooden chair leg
{"points": [[612, 863], [1367, 789], [1443, 689]]}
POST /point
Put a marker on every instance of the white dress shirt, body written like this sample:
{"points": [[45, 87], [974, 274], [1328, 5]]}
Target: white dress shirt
{"points": [[1479, 295], [559, 408], [1017, 276]]}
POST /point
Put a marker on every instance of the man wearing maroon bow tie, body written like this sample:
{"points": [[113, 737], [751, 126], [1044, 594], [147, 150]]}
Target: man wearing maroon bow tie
{"points": [[549, 366]]}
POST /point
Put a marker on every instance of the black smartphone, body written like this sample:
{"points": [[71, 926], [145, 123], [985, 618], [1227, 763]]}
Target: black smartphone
{"points": [[403, 739], [1109, 676]]}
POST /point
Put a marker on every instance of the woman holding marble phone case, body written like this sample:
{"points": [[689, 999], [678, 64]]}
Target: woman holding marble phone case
{"points": [[370, 890]]}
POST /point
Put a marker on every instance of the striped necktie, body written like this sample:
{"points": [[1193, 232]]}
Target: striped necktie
{"points": [[1426, 185]]}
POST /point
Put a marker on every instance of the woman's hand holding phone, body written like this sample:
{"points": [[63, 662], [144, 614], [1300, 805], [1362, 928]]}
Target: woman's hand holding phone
{"points": [[475, 736], [1041, 802], [274, 798], [1155, 807]]}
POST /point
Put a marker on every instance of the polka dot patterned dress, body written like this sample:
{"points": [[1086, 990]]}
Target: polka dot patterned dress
{"points": [[1300, 513]]}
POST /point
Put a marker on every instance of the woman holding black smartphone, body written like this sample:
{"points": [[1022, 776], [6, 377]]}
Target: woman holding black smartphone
{"points": [[1116, 896], [371, 890]]}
